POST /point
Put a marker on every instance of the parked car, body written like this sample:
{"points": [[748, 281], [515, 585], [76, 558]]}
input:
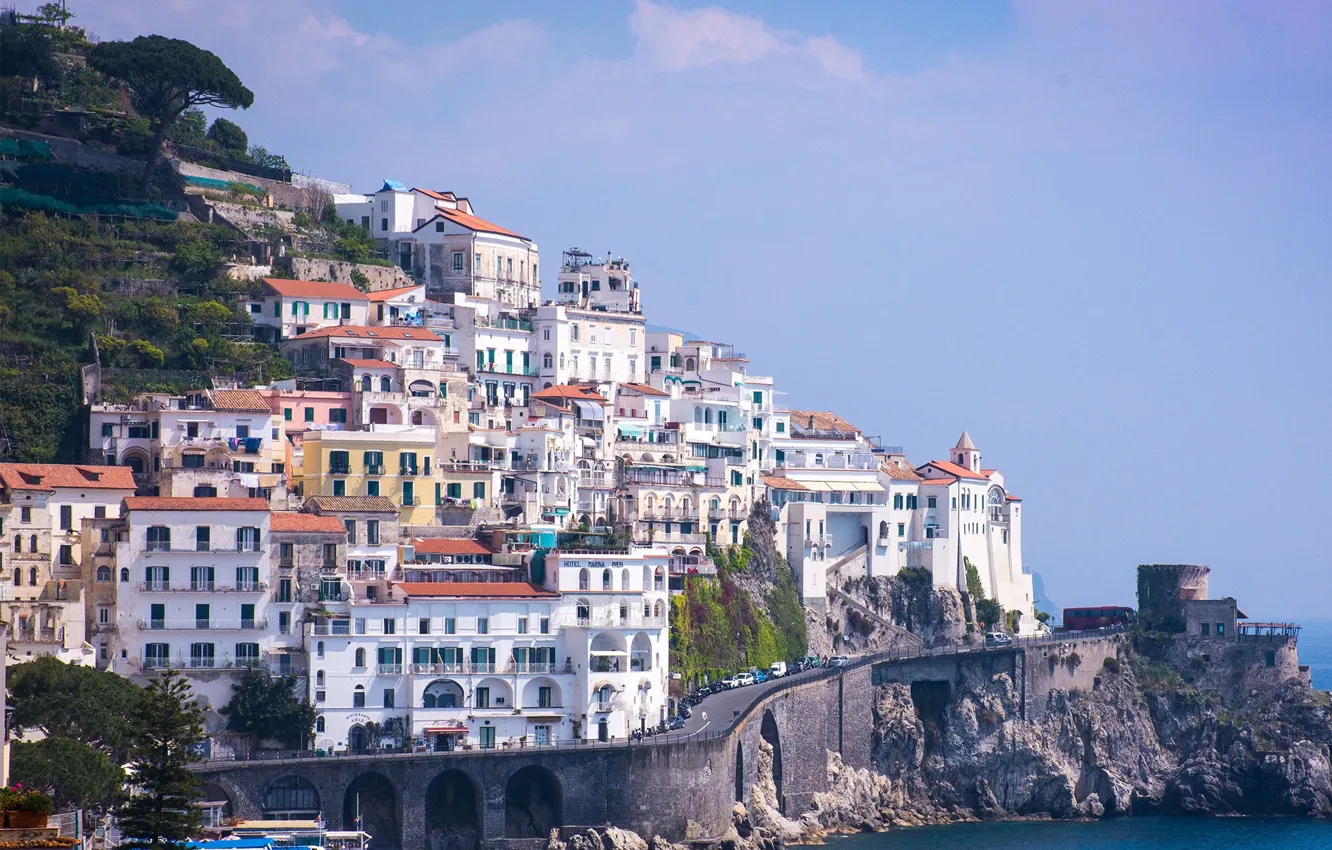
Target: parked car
{"points": [[998, 639], [760, 677], [676, 723], [838, 661], [777, 670], [812, 661], [731, 681], [742, 679]]}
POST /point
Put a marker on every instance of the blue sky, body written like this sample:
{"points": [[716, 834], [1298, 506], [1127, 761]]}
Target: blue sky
{"points": [[1095, 235]]}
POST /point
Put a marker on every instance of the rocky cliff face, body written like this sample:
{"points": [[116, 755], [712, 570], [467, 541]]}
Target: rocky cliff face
{"points": [[872, 614]]}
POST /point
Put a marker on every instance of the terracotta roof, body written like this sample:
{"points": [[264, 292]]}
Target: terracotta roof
{"points": [[570, 391], [439, 196], [187, 503], [477, 589], [48, 476], [449, 546], [352, 504], [778, 482], [898, 473], [820, 420], [292, 521], [369, 364], [988, 472], [644, 389], [956, 471], [944, 481], [240, 401], [471, 222], [313, 289], [386, 294], [364, 332], [1010, 497]]}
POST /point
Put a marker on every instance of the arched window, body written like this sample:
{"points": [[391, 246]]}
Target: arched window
{"points": [[319, 650], [689, 364], [360, 658], [707, 416], [385, 384], [606, 581], [32, 543], [583, 579], [698, 416], [104, 573], [715, 504], [319, 724], [624, 580], [685, 505], [547, 361], [124, 575], [561, 360], [883, 528], [649, 503], [366, 385], [659, 609], [18, 543], [18, 576], [32, 576], [647, 609], [659, 579], [319, 678]]}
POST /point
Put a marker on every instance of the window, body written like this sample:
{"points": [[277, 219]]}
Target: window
{"points": [[1220, 629], [483, 625], [103, 573], [350, 525], [359, 661], [372, 488], [545, 625], [457, 255], [931, 502], [247, 539], [358, 695], [372, 532], [390, 625], [66, 517], [390, 697], [337, 414], [159, 538], [1205, 628], [483, 700], [66, 556], [103, 615], [487, 737], [901, 529], [479, 490], [1270, 658], [522, 625]]}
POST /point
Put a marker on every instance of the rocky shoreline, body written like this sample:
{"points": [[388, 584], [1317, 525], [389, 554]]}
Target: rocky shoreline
{"points": [[1149, 737]]}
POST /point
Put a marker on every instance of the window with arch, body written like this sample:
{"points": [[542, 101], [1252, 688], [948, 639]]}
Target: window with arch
{"points": [[32, 544], [547, 361], [659, 609], [715, 504], [685, 506], [647, 576], [883, 529], [649, 503], [366, 384], [624, 580], [32, 576], [386, 384], [647, 609], [319, 649], [707, 416], [319, 724], [818, 459], [659, 579], [18, 576], [103, 573], [18, 543], [584, 579], [124, 575], [360, 659], [358, 695], [319, 678], [606, 580]]}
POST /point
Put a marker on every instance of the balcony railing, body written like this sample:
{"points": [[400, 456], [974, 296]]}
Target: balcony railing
{"points": [[202, 587], [601, 706], [388, 669], [38, 635], [198, 624], [335, 628]]}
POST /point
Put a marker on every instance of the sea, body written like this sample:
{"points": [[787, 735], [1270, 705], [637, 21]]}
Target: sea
{"points": [[1132, 833]]}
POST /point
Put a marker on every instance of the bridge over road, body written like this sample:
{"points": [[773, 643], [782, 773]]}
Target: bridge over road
{"points": [[497, 798]]}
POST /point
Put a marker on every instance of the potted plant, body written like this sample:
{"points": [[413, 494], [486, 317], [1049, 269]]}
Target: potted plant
{"points": [[25, 808]]}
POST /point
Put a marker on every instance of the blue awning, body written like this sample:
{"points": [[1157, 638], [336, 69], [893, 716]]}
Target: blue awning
{"points": [[630, 431]]}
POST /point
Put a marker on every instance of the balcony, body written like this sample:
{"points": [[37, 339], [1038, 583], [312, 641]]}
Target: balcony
{"points": [[196, 624], [388, 669], [37, 635], [601, 706], [334, 628]]}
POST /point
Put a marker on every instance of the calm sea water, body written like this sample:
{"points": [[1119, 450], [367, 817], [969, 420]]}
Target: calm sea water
{"points": [[1316, 651], [1142, 833]]}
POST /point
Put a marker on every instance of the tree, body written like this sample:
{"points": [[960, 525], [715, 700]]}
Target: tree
{"points": [[229, 137], [76, 775], [164, 810], [165, 77], [27, 52], [266, 707], [195, 259], [83, 704], [54, 14], [190, 129], [261, 156]]}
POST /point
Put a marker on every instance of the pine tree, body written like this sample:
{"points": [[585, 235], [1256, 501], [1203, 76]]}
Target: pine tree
{"points": [[164, 811]]}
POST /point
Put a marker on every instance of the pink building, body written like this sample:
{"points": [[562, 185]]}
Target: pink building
{"points": [[310, 410]]}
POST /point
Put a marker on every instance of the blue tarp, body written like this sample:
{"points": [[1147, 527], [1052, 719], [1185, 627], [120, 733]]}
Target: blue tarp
{"points": [[232, 844]]}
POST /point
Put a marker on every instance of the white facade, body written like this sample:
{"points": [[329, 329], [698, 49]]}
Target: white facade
{"points": [[288, 308]]}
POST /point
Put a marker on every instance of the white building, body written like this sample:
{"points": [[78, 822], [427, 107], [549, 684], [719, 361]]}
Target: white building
{"points": [[43, 510]]}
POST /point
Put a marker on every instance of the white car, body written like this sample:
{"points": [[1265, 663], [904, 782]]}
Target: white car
{"points": [[742, 679], [731, 681], [838, 661]]}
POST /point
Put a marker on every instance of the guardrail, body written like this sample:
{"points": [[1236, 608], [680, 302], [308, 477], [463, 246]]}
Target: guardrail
{"points": [[761, 693]]}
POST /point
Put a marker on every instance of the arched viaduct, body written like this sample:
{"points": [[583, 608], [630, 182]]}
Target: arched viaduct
{"points": [[466, 800]]}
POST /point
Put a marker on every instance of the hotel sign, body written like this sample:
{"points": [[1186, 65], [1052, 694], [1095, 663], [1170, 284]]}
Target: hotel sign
{"points": [[915, 544]]}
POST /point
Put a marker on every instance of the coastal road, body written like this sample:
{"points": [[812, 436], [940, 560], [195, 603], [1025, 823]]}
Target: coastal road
{"points": [[721, 708]]}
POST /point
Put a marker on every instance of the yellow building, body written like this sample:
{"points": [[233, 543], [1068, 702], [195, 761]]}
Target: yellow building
{"points": [[398, 464]]}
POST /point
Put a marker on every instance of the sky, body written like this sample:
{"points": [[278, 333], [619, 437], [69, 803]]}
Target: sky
{"points": [[1095, 235]]}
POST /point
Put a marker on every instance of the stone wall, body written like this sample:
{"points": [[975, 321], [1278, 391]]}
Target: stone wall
{"points": [[1235, 669], [75, 153], [1071, 666], [336, 271]]}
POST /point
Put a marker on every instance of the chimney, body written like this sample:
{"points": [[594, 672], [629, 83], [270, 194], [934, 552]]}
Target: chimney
{"points": [[811, 422]]}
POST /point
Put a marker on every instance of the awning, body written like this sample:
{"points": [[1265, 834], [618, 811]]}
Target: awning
{"points": [[868, 487], [590, 410], [630, 431], [446, 730], [543, 715], [818, 485], [588, 442]]}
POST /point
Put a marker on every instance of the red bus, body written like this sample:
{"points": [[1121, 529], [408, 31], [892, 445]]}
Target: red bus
{"points": [[1102, 617]]}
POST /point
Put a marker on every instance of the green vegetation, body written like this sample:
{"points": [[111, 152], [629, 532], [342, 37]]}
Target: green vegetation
{"points": [[267, 708], [749, 616], [988, 612], [1111, 664], [165, 809], [165, 77]]}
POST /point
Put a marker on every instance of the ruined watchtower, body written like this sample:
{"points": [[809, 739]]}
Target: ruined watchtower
{"points": [[1165, 589]]}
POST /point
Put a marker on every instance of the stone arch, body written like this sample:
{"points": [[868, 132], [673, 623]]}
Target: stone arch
{"points": [[373, 796], [442, 693], [453, 812], [739, 772], [291, 797], [137, 460], [624, 579], [770, 734], [533, 803], [214, 793], [532, 693], [501, 693]]}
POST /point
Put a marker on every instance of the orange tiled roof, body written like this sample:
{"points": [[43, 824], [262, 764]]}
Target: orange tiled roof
{"points": [[644, 389], [352, 504], [988, 472], [240, 401], [943, 482], [363, 332], [956, 471], [369, 364], [439, 196], [822, 420], [449, 546], [313, 289], [1010, 497], [778, 482], [292, 521], [472, 222], [477, 589], [899, 473], [569, 391], [48, 476], [386, 294], [187, 503]]}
